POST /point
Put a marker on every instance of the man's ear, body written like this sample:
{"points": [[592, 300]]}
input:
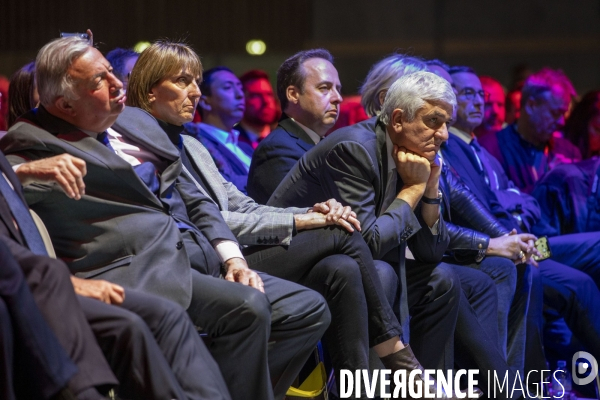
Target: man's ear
{"points": [[396, 120], [381, 97], [530, 105], [204, 102], [64, 106], [292, 93]]}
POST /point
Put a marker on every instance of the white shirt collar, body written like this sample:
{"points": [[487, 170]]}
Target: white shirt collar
{"points": [[464, 136], [221, 135], [313, 135]]}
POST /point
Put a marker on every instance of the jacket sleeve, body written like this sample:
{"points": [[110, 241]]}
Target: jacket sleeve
{"points": [[349, 176], [425, 246], [464, 203]]}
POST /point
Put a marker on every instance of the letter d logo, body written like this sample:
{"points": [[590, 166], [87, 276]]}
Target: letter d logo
{"points": [[590, 362]]}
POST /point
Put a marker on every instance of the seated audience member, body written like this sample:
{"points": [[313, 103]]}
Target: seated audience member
{"points": [[529, 149], [33, 365], [573, 293], [222, 106], [308, 88], [289, 243], [501, 270], [141, 335], [122, 61], [583, 125], [494, 112], [23, 95], [569, 199], [108, 230], [262, 109], [386, 169]]}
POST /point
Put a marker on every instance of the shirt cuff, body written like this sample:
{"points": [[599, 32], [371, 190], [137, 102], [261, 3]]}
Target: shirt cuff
{"points": [[227, 249], [435, 228], [16, 167]]}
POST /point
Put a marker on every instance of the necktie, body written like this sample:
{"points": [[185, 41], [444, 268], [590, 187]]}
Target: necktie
{"points": [[103, 138], [23, 218], [480, 160]]}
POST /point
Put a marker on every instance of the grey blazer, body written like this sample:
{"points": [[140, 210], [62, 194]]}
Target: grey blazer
{"points": [[119, 230], [250, 222]]}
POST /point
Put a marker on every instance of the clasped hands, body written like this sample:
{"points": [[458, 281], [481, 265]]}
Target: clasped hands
{"points": [[330, 212], [519, 247]]}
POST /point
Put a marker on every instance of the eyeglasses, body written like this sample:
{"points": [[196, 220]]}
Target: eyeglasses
{"points": [[469, 94]]}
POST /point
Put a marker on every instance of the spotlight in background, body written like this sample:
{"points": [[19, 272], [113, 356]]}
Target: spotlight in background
{"points": [[141, 46], [256, 47]]}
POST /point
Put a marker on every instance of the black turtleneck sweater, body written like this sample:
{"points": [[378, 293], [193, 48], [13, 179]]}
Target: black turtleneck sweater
{"points": [[174, 134]]}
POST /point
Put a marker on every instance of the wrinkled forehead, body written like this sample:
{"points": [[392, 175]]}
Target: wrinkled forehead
{"points": [[439, 108]]}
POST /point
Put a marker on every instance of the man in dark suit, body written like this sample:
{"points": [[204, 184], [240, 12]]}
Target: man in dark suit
{"points": [[386, 169], [126, 226], [572, 293], [28, 348], [309, 89], [135, 331]]}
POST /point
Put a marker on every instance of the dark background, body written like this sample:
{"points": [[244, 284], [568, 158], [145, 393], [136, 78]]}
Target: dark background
{"points": [[493, 37]]}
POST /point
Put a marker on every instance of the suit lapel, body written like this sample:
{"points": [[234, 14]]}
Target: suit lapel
{"points": [[87, 147], [142, 128], [207, 170], [293, 129], [382, 160], [5, 213]]}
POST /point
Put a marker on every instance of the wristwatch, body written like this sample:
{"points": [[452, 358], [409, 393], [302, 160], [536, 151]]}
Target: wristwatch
{"points": [[437, 200]]}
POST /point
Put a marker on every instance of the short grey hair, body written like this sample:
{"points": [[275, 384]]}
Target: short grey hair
{"points": [[410, 93], [382, 75], [52, 65]]}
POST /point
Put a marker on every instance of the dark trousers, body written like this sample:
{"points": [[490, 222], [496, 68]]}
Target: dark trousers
{"points": [[513, 287], [154, 349], [260, 341], [433, 299], [575, 296], [476, 335], [32, 362], [338, 265]]}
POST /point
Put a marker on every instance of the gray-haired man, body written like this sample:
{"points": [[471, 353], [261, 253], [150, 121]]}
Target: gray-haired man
{"points": [[386, 169]]}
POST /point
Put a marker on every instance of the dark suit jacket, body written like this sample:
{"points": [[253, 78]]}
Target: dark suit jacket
{"points": [[274, 158], [501, 202], [350, 166], [71, 329], [119, 231], [232, 169]]}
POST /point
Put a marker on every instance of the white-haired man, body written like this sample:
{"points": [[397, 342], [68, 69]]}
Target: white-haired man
{"points": [[386, 169]]}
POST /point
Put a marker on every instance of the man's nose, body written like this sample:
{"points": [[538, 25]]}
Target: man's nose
{"points": [[336, 97], [115, 82], [442, 133]]}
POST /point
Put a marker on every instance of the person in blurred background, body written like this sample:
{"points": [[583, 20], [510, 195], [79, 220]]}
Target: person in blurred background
{"points": [[583, 125], [262, 109], [122, 61], [22, 93], [494, 112]]}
